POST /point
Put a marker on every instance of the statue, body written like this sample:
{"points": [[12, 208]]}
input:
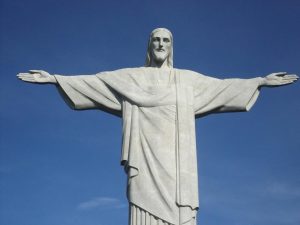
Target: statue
{"points": [[158, 105]]}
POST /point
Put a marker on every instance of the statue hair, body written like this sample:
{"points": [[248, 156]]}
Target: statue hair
{"points": [[149, 55]]}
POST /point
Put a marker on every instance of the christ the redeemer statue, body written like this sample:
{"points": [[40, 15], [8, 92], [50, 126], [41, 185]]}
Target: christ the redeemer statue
{"points": [[158, 105]]}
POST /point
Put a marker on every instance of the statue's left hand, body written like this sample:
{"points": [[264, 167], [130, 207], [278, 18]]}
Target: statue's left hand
{"points": [[278, 79]]}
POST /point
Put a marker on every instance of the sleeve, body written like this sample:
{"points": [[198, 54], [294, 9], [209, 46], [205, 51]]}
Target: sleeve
{"points": [[88, 92], [213, 95]]}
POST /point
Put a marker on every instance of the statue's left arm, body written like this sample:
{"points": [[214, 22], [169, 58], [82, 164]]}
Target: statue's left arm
{"points": [[213, 95]]}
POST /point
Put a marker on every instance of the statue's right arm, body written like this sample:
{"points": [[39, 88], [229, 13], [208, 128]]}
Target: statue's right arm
{"points": [[37, 76]]}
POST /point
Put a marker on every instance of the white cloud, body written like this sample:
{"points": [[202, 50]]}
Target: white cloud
{"points": [[102, 202], [283, 191]]}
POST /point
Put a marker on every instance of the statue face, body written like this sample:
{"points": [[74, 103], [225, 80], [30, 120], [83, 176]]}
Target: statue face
{"points": [[160, 46]]}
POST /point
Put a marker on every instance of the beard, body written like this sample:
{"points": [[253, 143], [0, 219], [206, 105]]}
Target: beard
{"points": [[159, 57]]}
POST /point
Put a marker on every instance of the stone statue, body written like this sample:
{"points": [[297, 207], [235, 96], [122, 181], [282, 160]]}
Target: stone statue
{"points": [[158, 105]]}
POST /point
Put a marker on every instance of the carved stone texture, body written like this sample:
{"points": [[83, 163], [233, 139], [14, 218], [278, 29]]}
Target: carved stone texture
{"points": [[158, 105]]}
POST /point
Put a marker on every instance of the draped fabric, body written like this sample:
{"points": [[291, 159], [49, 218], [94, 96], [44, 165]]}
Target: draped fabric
{"points": [[139, 216], [158, 108]]}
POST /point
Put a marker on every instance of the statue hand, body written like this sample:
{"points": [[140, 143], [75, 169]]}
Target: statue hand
{"points": [[37, 76], [278, 79]]}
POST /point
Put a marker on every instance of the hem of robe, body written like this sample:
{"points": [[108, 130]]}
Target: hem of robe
{"points": [[139, 216]]}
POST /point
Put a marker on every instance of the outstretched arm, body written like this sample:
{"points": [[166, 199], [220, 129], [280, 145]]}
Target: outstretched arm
{"points": [[37, 76], [232, 95], [278, 79], [80, 92]]}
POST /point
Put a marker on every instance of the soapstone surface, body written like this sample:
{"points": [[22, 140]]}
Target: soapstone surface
{"points": [[158, 105]]}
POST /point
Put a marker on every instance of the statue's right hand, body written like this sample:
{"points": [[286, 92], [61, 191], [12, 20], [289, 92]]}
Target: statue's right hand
{"points": [[37, 76]]}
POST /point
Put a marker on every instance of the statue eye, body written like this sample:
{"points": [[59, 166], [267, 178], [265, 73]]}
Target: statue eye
{"points": [[166, 40]]}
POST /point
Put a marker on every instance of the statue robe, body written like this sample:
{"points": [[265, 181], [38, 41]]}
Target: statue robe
{"points": [[159, 107]]}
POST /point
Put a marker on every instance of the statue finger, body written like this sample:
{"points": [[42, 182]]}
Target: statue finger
{"points": [[280, 74], [290, 79], [30, 81], [287, 82], [36, 71], [21, 74], [25, 76], [291, 76], [294, 76]]}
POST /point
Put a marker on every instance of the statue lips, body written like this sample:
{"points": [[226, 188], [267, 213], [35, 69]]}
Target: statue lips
{"points": [[160, 50]]}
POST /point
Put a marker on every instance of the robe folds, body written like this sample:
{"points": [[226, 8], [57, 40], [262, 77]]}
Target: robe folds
{"points": [[158, 107]]}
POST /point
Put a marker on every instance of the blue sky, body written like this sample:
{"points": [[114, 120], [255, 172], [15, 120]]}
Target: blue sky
{"points": [[61, 167]]}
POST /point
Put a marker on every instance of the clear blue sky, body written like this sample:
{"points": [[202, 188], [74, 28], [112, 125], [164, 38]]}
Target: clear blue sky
{"points": [[61, 167]]}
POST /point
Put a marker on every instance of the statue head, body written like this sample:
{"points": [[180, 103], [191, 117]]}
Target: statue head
{"points": [[160, 48]]}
